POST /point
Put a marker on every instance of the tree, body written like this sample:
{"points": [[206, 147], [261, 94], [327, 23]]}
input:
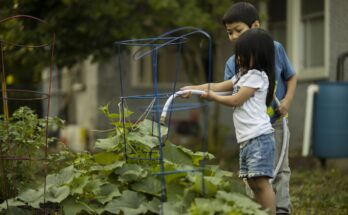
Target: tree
{"points": [[86, 27], [89, 27]]}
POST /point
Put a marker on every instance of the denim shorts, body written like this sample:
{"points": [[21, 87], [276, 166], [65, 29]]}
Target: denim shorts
{"points": [[257, 157]]}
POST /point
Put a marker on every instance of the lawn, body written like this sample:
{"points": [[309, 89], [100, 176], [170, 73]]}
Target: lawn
{"points": [[314, 190]]}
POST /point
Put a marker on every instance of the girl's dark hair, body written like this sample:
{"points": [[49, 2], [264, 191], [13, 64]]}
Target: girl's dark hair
{"points": [[255, 50], [241, 12]]}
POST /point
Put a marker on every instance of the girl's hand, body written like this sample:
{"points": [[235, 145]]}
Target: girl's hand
{"points": [[209, 95], [185, 94], [186, 91]]}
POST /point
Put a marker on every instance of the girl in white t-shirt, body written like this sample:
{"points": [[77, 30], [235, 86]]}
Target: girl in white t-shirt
{"points": [[252, 91]]}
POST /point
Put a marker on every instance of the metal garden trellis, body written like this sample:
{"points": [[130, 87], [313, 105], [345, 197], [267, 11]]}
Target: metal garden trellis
{"points": [[10, 95], [150, 47]]}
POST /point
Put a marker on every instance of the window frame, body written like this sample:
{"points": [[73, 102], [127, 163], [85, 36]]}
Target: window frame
{"points": [[295, 42]]}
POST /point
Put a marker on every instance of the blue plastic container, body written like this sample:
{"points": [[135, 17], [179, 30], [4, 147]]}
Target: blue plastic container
{"points": [[330, 133]]}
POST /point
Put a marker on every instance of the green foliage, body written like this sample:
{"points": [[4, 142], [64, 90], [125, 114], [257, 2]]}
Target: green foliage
{"points": [[23, 137], [106, 183], [85, 27]]}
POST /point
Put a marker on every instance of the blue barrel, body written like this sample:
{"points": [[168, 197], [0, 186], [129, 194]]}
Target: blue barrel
{"points": [[330, 130]]}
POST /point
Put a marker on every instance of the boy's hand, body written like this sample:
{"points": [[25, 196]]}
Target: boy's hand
{"points": [[283, 108]]}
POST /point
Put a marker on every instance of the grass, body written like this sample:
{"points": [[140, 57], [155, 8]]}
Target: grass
{"points": [[314, 190]]}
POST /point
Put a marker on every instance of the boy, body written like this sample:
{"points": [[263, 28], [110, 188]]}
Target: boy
{"points": [[239, 18]]}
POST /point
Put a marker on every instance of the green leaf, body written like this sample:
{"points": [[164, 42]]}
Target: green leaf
{"points": [[142, 140], [57, 194], [11, 203], [154, 205], [94, 185], [150, 185], [109, 167], [210, 185], [107, 192], [65, 176], [72, 207], [207, 206], [175, 192], [32, 197], [107, 143], [170, 209], [131, 172], [174, 154], [130, 203], [241, 202], [17, 211], [107, 157], [149, 127], [197, 156], [78, 184]]}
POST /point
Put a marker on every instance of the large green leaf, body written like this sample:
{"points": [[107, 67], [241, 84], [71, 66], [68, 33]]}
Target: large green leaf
{"points": [[94, 185], [207, 206], [57, 194], [175, 192], [141, 140], [109, 167], [107, 143], [149, 127], [170, 209], [11, 203], [154, 205], [107, 157], [33, 197], [130, 203], [78, 184], [151, 185], [18, 211], [65, 176], [73, 207], [107, 192], [197, 156], [241, 202], [210, 185], [174, 154], [131, 172]]}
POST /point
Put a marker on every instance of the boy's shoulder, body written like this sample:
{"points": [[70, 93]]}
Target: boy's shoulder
{"points": [[278, 46]]}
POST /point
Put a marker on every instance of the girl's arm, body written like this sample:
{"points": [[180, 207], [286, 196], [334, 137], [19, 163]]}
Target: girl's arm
{"points": [[217, 87], [234, 100]]}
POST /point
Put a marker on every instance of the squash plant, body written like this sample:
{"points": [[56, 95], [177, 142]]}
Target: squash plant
{"points": [[22, 149], [105, 182]]}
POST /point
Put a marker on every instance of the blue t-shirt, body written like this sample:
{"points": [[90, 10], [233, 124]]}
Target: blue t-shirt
{"points": [[283, 71]]}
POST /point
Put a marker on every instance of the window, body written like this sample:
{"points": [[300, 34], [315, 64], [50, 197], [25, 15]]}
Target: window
{"points": [[277, 20], [312, 17], [307, 37]]}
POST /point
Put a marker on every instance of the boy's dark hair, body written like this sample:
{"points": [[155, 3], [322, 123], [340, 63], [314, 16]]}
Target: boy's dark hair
{"points": [[255, 50], [241, 12]]}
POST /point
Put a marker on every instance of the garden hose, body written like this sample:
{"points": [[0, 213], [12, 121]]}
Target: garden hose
{"points": [[200, 92]]}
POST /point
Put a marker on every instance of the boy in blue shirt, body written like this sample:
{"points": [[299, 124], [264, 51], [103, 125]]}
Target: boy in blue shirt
{"points": [[239, 18]]}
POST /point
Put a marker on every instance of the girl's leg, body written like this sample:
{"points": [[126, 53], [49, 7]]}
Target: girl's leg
{"points": [[263, 192]]}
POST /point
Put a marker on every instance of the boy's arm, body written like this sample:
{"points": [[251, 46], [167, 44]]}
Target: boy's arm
{"points": [[285, 103]]}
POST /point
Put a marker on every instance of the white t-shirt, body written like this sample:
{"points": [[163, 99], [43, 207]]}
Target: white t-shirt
{"points": [[251, 119]]}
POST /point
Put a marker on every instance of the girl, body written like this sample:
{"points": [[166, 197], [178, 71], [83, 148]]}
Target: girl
{"points": [[252, 91]]}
